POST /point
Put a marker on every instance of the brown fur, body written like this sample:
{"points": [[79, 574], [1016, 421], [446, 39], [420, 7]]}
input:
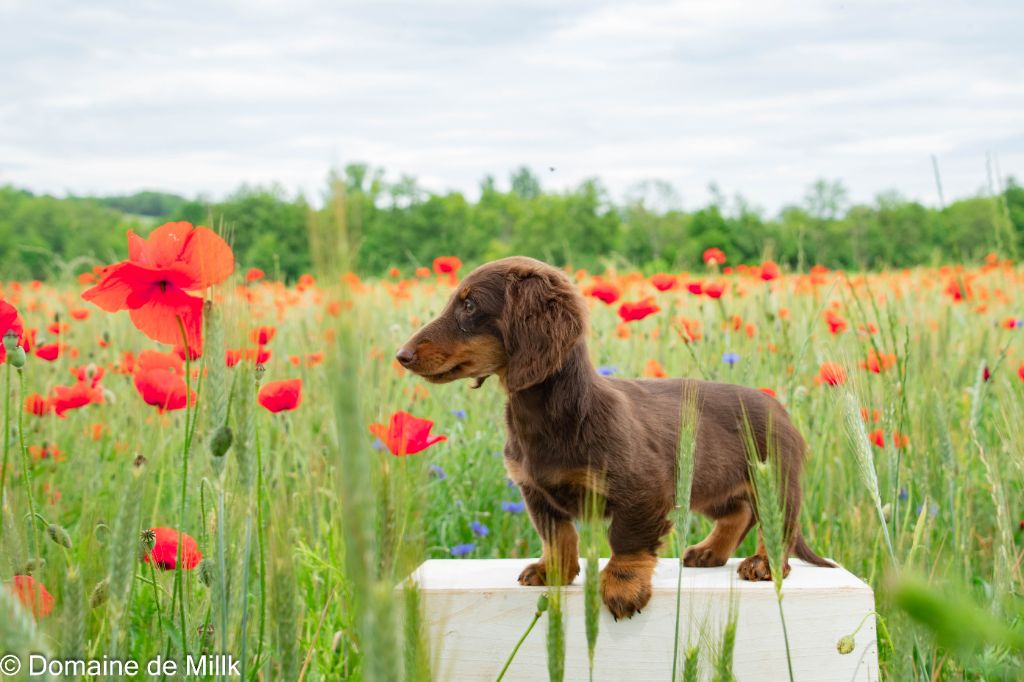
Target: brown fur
{"points": [[571, 430]]}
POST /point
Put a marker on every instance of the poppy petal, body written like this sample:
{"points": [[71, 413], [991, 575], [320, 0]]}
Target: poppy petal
{"points": [[207, 257], [157, 318]]}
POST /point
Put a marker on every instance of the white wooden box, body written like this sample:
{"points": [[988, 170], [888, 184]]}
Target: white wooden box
{"points": [[475, 612]]}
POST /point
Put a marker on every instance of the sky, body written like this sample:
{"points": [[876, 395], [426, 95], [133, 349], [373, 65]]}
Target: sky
{"points": [[761, 98]]}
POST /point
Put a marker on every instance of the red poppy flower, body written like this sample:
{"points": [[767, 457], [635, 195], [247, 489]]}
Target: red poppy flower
{"points": [[714, 289], [696, 288], [279, 396], [767, 391], [444, 265], [48, 352], [770, 271], [46, 451], [714, 256], [154, 359], [9, 321], [637, 310], [835, 321], [654, 369], [603, 291], [165, 550], [163, 389], [38, 405], [878, 363], [154, 282], [830, 373], [65, 398], [406, 434], [263, 335], [32, 595], [80, 313], [899, 440], [1020, 371], [254, 274], [259, 355], [663, 281], [90, 374]]}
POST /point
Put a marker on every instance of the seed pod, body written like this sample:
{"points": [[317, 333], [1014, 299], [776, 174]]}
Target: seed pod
{"points": [[206, 572], [542, 603], [16, 358], [10, 340], [221, 441], [100, 593], [59, 535], [33, 565], [845, 644]]}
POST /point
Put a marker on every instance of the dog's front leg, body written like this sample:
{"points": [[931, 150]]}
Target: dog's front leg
{"points": [[559, 562], [634, 536]]}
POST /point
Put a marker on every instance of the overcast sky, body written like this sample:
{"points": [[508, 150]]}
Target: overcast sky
{"points": [[759, 96]]}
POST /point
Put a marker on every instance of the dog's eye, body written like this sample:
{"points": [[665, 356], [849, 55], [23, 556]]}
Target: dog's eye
{"points": [[469, 306]]}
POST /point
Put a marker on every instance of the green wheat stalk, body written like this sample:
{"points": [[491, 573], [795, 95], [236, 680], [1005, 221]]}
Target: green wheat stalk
{"points": [[858, 437], [686, 456], [771, 515]]}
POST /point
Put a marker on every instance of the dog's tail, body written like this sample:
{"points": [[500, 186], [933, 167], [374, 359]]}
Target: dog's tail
{"points": [[802, 551]]}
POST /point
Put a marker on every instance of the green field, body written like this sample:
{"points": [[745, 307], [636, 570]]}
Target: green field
{"points": [[306, 522]]}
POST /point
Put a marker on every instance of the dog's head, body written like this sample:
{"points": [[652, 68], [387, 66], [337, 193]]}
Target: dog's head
{"points": [[516, 317]]}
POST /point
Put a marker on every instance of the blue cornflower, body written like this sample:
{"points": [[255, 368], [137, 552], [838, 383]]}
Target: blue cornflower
{"points": [[513, 507], [378, 444], [438, 472], [607, 370], [463, 550], [459, 414], [903, 495], [509, 482], [479, 529], [730, 358]]}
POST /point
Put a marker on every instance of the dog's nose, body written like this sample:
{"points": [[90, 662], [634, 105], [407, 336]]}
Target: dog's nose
{"points": [[405, 355]]}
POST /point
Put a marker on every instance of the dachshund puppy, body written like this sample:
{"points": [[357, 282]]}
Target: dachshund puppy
{"points": [[572, 432]]}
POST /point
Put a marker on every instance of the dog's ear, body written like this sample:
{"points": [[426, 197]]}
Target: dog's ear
{"points": [[543, 319]]}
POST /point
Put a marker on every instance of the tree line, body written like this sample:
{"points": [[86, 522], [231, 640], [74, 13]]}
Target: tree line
{"points": [[400, 224]]}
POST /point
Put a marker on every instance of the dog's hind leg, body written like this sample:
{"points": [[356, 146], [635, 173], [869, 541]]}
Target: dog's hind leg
{"points": [[732, 523]]}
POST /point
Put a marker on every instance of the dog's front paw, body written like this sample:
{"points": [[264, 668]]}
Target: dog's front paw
{"points": [[625, 591], [756, 568]]}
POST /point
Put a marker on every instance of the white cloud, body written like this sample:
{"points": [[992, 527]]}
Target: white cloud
{"points": [[759, 97]]}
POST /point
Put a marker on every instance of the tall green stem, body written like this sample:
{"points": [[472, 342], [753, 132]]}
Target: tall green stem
{"points": [[7, 438], [25, 468]]}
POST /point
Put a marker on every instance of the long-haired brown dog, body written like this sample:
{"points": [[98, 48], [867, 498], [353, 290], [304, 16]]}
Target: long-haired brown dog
{"points": [[571, 430]]}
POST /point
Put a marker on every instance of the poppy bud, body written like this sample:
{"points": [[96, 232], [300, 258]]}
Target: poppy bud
{"points": [[845, 644], [220, 442], [33, 565], [206, 575], [261, 369], [59, 535], [542, 603], [99, 593], [139, 462], [16, 358]]}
